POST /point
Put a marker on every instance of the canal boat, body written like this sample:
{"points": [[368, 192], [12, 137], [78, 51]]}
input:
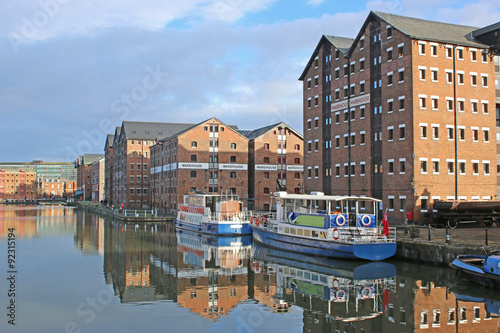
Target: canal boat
{"points": [[324, 225], [215, 214], [481, 269]]}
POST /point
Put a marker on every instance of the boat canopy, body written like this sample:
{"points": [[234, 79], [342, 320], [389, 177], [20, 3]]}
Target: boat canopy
{"points": [[287, 196]]}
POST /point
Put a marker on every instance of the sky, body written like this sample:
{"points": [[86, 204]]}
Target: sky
{"points": [[71, 71]]}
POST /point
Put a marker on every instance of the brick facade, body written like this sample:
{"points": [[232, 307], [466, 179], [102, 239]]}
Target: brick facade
{"points": [[367, 101], [18, 184]]}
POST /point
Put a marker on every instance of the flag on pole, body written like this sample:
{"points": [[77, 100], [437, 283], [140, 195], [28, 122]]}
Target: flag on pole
{"points": [[385, 223]]}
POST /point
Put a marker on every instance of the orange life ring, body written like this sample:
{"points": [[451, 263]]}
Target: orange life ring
{"points": [[251, 219], [263, 218], [257, 266], [257, 222]]}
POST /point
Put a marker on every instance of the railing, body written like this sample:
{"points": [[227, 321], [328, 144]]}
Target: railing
{"points": [[478, 236], [231, 216]]}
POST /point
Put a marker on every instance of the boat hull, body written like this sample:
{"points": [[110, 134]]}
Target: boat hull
{"points": [[474, 273], [368, 251], [215, 228]]}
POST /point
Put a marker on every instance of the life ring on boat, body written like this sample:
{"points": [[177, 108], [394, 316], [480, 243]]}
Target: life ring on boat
{"points": [[257, 222], [263, 218], [340, 295], [335, 283], [256, 266], [340, 218], [367, 292], [364, 218], [335, 233], [251, 219]]}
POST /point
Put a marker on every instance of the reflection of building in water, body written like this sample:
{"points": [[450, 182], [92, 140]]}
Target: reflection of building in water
{"points": [[33, 221], [438, 310], [129, 253], [212, 273], [89, 233]]}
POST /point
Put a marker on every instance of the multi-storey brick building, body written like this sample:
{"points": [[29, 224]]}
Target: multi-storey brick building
{"points": [[275, 163], [83, 165], [403, 112], [98, 176], [18, 184], [108, 167], [211, 157], [131, 160]]}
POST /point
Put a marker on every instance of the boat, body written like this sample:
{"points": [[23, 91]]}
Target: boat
{"points": [[325, 225], [481, 269], [215, 214]]}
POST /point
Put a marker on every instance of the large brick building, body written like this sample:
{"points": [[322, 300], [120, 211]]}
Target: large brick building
{"points": [[98, 177], [18, 184], [404, 112], [275, 163], [131, 160], [213, 157]]}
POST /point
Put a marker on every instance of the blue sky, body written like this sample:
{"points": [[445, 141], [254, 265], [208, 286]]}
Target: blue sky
{"points": [[70, 71]]}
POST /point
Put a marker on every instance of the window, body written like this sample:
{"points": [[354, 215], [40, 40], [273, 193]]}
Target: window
{"points": [[423, 131], [402, 132], [486, 135], [316, 145], [131, 179], [401, 103], [451, 167], [362, 64], [461, 105], [449, 104], [194, 144], [421, 48], [460, 77], [473, 55], [390, 133], [421, 75], [131, 166], [233, 145], [337, 141], [232, 175], [473, 105], [435, 131], [461, 133], [362, 87], [266, 160], [486, 167], [484, 106], [309, 83], [422, 101], [475, 134], [435, 166], [337, 73], [400, 50], [389, 54], [352, 69], [389, 31], [389, 78], [402, 203], [193, 174], [475, 167], [362, 138], [266, 175], [460, 53], [434, 50], [296, 147], [266, 190], [193, 158], [449, 76], [484, 80], [316, 172], [390, 167], [297, 175], [423, 165], [401, 75], [362, 168], [473, 79], [266, 145], [461, 166], [449, 132], [362, 43], [434, 102], [434, 75]]}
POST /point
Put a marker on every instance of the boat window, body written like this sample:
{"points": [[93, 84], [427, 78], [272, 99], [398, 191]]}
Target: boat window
{"points": [[292, 231], [300, 232], [287, 230], [314, 233], [315, 277], [307, 275], [300, 273], [322, 234], [323, 279], [307, 233]]}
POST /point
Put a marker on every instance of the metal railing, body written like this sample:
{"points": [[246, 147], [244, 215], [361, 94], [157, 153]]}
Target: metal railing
{"points": [[230, 216]]}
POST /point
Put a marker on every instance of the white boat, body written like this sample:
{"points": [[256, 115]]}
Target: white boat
{"points": [[213, 214], [329, 226]]}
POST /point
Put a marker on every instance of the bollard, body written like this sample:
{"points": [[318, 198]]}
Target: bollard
{"points": [[486, 236], [429, 232]]}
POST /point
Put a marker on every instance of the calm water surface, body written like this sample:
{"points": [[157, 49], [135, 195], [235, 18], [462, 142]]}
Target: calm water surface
{"points": [[76, 272]]}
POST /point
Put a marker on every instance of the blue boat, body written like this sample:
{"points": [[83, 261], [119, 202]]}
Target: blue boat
{"points": [[480, 269], [329, 226], [213, 214]]}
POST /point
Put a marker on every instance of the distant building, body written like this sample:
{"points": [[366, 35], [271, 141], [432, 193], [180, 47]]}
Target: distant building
{"points": [[83, 164], [404, 112], [18, 184], [108, 165], [131, 160], [48, 172], [98, 170]]}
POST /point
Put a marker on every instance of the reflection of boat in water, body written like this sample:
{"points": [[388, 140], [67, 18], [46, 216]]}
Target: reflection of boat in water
{"points": [[209, 251], [478, 294], [342, 289], [325, 225], [213, 214]]}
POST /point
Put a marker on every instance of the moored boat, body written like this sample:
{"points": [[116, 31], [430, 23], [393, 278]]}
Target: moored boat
{"points": [[481, 269], [213, 214], [329, 226]]}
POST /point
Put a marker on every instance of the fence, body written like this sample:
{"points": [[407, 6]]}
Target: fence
{"points": [[477, 236]]}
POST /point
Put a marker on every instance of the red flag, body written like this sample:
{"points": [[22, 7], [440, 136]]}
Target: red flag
{"points": [[385, 223]]}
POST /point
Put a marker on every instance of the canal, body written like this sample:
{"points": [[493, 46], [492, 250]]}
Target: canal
{"points": [[66, 270]]}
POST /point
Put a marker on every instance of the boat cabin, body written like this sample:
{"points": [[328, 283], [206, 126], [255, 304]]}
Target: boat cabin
{"points": [[215, 202]]}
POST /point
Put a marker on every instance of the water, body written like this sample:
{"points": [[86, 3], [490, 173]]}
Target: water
{"points": [[76, 272]]}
